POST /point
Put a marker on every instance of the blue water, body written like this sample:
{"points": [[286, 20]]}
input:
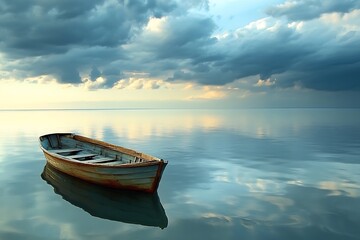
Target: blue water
{"points": [[232, 174]]}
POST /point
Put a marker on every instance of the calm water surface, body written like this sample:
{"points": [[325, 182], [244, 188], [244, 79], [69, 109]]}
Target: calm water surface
{"points": [[232, 174]]}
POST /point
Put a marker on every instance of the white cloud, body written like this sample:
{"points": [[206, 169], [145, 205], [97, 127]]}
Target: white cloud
{"points": [[343, 23], [268, 82], [94, 84], [139, 83], [156, 25], [260, 24]]}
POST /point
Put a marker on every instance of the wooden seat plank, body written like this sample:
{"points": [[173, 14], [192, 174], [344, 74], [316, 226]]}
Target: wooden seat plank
{"points": [[100, 160], [85, 155], [66, 150], [113, 162]]}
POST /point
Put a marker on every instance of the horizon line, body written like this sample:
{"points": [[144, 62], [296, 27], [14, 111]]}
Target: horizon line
{"points": [[162, 108]]}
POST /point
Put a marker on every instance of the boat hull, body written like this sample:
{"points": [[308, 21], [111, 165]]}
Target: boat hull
{"points": [[144, 176]]}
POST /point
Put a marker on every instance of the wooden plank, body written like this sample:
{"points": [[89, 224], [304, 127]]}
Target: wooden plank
{"points": [[113, 163], [66, 150], [54, 140], [110, 146], [87, 155], [100, 160]]}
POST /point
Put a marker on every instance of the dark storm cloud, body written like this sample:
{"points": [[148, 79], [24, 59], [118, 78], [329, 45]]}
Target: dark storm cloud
{"points": [[331, 78], [328, 61], [310, 9], [67, 74], [53, 32], [305, 59], [265, 53], [186, 37], [52, 27], [95, 73], [47, 27], [333, 65], [77, 41]]}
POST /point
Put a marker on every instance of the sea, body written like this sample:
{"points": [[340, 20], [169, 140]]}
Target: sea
{"points": [[231, 174]]}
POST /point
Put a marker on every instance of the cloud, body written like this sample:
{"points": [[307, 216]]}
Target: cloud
{"points": [[139, 83], [334, 61], [47, 33], [56, 26], [310, 9], [296, 54], [266, 82], [179, 41], [95, 73]]}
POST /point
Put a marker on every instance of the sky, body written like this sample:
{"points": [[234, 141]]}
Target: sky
{"points": [[175, 54]]}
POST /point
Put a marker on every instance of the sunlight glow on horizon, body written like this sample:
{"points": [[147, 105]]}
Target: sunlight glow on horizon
{"points": [[32, 94]]}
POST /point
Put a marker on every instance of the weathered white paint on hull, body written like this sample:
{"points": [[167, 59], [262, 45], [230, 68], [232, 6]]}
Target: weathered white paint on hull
{"points": [[144, 176]]}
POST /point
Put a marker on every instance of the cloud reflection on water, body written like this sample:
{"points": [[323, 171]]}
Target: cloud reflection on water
{"points": [[232, 174]]}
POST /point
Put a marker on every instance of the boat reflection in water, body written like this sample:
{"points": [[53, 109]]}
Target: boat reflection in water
{"points": [[113, 204]]}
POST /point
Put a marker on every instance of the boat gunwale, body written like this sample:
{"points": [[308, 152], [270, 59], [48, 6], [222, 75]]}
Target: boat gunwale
{"points": [[97, 165], [153, 162]]}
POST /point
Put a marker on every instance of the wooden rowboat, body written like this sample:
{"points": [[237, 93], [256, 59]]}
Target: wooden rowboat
{"points": [[132, 207], [102, 163]]}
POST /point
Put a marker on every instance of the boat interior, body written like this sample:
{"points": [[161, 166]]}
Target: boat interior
{"points": [[75, 150]]}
